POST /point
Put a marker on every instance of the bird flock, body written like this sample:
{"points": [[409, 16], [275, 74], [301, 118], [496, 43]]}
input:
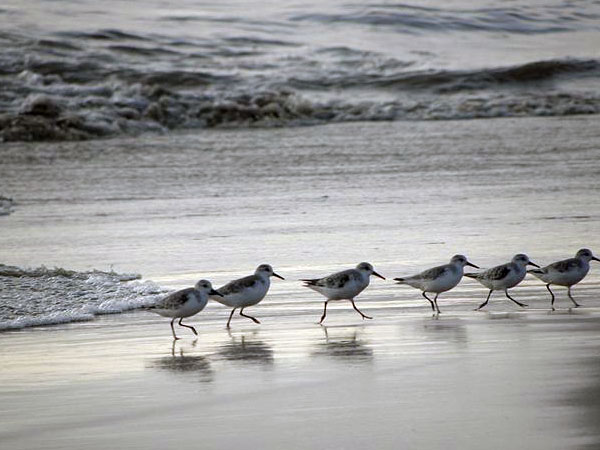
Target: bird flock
{"points": [[347, 284]]}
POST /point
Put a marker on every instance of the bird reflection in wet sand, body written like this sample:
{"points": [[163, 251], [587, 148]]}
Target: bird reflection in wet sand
{"points": [[451, 331], [247, 349], [178, 362], [584, 397], [346, 346]]}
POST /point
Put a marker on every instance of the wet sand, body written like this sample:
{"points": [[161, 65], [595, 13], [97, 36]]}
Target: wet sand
{"points": [[404, 380]]}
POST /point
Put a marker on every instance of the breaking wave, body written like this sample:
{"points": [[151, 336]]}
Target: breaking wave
{"points": [[71, 112], [42, 296], [92, 82]]}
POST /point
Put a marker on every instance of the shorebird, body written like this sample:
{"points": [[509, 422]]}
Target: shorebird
{"points": [[246, 291], [343, 285], [503, 277], [438, 279], [184, 303], [567, 272]]}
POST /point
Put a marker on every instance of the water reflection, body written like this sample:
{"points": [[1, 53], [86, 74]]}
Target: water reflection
{"points": [[586, 398], [178, 362], [442, 330], [345, 345], [248, 349]]}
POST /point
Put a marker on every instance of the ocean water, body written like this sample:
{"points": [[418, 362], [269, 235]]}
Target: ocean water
{"points": [[76, 70]]}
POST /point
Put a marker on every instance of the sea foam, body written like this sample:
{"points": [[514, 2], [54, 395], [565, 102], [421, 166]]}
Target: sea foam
{"points": [[43, 296]]}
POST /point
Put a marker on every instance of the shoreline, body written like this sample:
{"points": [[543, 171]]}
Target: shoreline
{"points": [[178, 132]]}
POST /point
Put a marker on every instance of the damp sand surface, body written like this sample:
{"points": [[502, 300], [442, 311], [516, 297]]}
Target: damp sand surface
{"points": [[464, 380]]}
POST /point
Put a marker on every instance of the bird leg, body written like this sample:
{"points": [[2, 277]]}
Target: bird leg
{"points": [[324, 313], [552, 294], [358, 310], [522, 305], [437, 308], [486, 300], [577, 305], [230, 316], [429, 300], [249, 317], [188, 326], [173, 329]]}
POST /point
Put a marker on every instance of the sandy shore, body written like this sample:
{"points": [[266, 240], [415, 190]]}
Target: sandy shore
{"points": [[465, 380], [404, 196]]}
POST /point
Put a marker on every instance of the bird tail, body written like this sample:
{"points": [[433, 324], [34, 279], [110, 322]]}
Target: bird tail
{"points": [[310, 281], [536, 272], [218, 299], [472, 275], [400, 280]]}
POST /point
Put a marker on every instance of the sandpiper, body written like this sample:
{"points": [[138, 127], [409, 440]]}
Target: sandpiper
{"points": [[184, 303], [438, 279], [503, 277], [246, 291], [343, 285], [567, 272]]}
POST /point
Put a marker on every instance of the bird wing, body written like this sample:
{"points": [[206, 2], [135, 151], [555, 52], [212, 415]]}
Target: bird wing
{"points": [[432, 274], [174, 300], [334, 281], [498, 272], [565, 265], [235, 286], [495, 273]]}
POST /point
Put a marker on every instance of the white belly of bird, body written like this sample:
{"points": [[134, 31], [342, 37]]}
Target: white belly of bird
{"points": [[247, 297], [443, 283], [565, 278], [189, 308], [350, 290]]}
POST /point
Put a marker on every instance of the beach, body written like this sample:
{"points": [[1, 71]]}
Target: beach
{"points": [[404, 201], [145, 146], [465, 380]]}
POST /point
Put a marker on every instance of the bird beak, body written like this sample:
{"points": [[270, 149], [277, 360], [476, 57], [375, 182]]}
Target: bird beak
{"points": [[377, 275], [278, 276], [533, 264], [213, 292], [595, 259], [472, 265]]}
